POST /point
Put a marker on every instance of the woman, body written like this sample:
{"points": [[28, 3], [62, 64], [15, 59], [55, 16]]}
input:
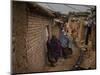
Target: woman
{"points": [[54, 50]]}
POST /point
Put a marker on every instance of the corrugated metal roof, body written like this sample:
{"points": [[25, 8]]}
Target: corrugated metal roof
{"points": [[66, 8]]}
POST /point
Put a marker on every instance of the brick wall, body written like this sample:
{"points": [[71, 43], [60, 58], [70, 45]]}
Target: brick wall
{"points": [[76, 29], [36, 41], [29, 53]]}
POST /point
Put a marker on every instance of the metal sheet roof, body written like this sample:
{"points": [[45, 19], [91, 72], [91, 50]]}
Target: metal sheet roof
{"points": [[66, 8]]}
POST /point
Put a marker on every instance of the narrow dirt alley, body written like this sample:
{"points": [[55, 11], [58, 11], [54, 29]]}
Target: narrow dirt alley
{"points": [[68, 63]]}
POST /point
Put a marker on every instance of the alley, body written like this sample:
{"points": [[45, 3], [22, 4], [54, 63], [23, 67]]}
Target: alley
{"points": [[46, 39], [69, 62]]}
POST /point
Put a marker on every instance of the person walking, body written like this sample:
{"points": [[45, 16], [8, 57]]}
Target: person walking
{"points": [[65, 44], [54, 50]]}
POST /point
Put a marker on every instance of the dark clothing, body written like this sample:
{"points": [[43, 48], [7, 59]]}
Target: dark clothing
{"points": [[66, 52], [49, 52], [54, 50], [88, 31]]}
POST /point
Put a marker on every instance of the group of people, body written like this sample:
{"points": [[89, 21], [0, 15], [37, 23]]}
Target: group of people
{"points": [[57, 48]]}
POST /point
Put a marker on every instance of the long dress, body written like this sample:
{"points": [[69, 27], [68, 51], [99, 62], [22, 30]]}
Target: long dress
{"points": [[54, 50]]}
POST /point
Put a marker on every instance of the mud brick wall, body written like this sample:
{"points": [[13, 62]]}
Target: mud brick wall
{"points": [[36, 40], [76, 29], [19, 26], [29, 33], [36, 44], [73, 28]]}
